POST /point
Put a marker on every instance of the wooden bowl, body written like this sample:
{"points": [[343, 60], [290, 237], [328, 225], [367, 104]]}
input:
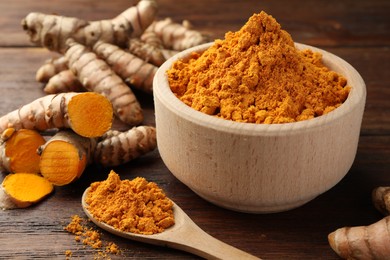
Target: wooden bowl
{"points": [[258, 168]]}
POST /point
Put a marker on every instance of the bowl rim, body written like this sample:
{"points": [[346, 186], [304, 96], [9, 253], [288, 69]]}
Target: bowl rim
{"points": [[357, 95]]}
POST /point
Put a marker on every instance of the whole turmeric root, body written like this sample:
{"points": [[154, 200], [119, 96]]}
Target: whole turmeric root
{"points": [[65, 156], [381, 199], [129, 67], [64, 81], [121, 147], [50, 68], [52, 31], [176, 36], [362, 242], [18, 150], [148, 52], [96, 75], [88, 114]]}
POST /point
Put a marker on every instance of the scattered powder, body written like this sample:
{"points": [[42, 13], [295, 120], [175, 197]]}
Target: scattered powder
{"points": [[257, 75], [89, 237]]}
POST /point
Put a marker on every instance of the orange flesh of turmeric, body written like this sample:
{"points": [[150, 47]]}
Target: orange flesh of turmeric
{"points": [[90, 116], [21, 148], [61, 163], [26, 188]]}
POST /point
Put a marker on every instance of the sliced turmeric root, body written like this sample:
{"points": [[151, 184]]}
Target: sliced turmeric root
{"points": [[18, 150], [88, 114], [25, 189], [65, 156]]}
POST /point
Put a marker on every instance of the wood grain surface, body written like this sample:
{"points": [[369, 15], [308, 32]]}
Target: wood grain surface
{"points": [[356, 30]]}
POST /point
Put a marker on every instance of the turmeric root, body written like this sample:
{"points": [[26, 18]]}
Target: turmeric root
{"points": [[97, 76], [88, 114], [52, 31], [65, 156], [130, 68], [362, 242], [381, 199], [147, 52], [176, 36], [64, 81], [25, 189], [50, 68], [121, 147], [18, 150]]}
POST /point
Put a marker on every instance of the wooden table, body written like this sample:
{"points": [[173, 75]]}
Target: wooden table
{"points": [[357, 31]]}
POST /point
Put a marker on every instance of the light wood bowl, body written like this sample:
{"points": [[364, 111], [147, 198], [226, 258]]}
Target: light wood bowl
{"points": [[258, 168]]}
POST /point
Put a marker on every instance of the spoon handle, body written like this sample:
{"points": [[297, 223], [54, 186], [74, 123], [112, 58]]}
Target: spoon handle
{"points": [[193, 239]]}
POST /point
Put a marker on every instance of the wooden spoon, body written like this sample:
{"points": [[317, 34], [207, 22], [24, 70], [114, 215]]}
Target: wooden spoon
{"points": [[183, 235]]}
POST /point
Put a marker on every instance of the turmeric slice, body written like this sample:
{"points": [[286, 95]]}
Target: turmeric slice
{"points": [[88, 114], [25, 189], [65, 156], [18, 150]]}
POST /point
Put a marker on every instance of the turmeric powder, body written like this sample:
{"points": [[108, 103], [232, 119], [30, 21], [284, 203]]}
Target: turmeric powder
{"points": [[90, 237], [257, 75], [136, 206]]}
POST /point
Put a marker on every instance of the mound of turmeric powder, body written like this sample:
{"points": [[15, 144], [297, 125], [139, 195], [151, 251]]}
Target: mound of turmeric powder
{"points": [[257, 75], [136, 206]]}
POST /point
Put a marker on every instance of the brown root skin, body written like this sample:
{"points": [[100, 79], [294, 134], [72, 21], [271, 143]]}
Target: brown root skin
{"points": [[52, 31], [18, 150], [381, 199], [362, 242], [147, 52], [25, 189], [64, 81], [65, 156], [176, 36], [50, 68], [5, 201], [121, 147], [88, 114], [129, 67], [96, 76]]}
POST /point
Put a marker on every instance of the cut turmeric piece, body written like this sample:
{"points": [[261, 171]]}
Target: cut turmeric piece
{"points": [[19, 150], [25, 189], [64, 157], [88, 114]]}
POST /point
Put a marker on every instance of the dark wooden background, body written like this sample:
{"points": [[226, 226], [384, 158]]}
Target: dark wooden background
{"points": [[356, 30]]}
